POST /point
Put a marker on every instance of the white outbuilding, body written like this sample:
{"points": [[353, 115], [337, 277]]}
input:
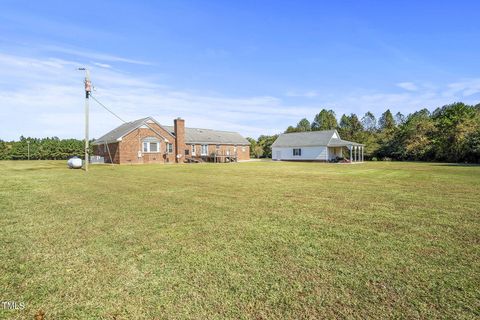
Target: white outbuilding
{"points": [[316, 146]]}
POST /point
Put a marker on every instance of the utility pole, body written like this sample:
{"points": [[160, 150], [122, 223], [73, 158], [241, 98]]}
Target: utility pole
{"points": [[88, 89]]}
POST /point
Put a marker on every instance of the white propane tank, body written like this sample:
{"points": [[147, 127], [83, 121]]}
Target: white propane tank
{"points": [[74, 163]]}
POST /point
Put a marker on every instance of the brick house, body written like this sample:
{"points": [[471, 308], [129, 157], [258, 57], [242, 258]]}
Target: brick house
{"points": [[147, 141]]}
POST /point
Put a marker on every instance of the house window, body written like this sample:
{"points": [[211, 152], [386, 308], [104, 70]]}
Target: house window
{"points": [[151, 145], [234, 149], [170, 148], [193, 149], [297, 152], [243, 149], [204, 149], [217, 147], [187, 152]]}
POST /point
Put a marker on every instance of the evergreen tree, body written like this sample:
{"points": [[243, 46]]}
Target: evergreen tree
{"points": [[369, 122], [325, 120], [386, 121], [291, 129], [303, 125], [399, 119], [344, 123]]}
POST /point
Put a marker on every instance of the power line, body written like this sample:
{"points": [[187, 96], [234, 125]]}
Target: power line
{"points": [[106, 108]]}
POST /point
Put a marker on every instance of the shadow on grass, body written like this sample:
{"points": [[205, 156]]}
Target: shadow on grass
{"points": [[457, 164], [38, 168]]}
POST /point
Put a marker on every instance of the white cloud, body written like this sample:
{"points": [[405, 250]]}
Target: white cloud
{"points": [[409, 86], [44, 97], [302, 94], [102, 65], [466, 88], [93, 55], [407, 102]]}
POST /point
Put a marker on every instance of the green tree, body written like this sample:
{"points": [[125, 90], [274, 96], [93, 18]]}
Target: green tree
{"points": [[386, 121], [399, 118], [414, 137], [291, 129], [303, 125], [473, 147], [386, 136], [4, 150], [350, 127], [456, 124], [258, 151], [253, 145], [42, 149], [369, 122], [325, 120], [344, 125], [266, 143]]}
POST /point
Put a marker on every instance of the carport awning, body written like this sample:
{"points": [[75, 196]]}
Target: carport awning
{"points": [[356, 149]]}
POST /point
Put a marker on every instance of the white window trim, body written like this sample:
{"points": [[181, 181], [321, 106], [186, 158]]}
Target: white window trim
{"points": [[169, 148], [202, 149], [299, 152], [193, 150], [148, 147]]}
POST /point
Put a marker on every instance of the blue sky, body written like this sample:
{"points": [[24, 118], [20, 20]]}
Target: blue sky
{"points": [[250, 66]]}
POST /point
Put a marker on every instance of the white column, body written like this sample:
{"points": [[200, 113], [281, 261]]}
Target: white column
{"points": [[351, 151], [363, 152]]}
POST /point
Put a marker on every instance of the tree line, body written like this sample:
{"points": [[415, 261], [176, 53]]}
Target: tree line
{"points": [[41, 149], [449, 134]]}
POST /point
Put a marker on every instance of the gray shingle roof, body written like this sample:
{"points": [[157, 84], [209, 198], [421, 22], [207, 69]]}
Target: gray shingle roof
{"points": [[192, 135], [341, 143], [310, 139], [120, 131], [209, 136]]}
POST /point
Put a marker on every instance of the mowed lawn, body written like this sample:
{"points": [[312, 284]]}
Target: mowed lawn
{"points": [[261, 240]]}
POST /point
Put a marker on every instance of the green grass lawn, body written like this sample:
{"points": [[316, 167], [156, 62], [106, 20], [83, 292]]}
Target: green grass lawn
{"points": [[262, 240]]}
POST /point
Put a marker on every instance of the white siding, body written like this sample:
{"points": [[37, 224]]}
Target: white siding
{"points": [[319, 153]]}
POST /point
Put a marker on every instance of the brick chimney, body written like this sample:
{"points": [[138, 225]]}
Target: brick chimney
{"points": [[180, 146]]}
